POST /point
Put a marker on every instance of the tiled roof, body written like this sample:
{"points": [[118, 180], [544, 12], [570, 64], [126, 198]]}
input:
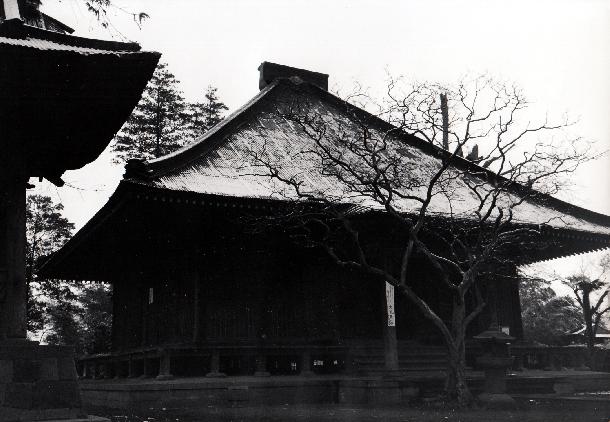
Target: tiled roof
{"points": [[19, 34], [46, 45], [221, 163]]}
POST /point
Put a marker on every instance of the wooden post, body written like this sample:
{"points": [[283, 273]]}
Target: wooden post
{"points": [[13, 288], [165, 372], [196, 303], [215, 366], [261, 364], [145, 368], [306, 363], [131, 370], [389, 329], [107, 369]]}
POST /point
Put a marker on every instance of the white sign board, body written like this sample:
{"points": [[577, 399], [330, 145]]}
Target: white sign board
{"points": [[389, 300]]}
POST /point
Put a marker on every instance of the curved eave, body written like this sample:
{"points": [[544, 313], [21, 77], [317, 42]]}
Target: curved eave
{"points": [[64, 104], [131, 197]]}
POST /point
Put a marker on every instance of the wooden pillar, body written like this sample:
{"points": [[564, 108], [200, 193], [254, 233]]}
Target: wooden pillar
{"points": [[389, 329], [13, 288], [196, 303]]}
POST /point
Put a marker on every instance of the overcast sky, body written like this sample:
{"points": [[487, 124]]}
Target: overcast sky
{"points": [[557, 51]]}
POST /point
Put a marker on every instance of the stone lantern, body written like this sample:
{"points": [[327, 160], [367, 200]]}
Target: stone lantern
{"points": [[495, 361]]}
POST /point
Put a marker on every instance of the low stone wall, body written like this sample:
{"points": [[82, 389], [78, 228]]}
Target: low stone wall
{"points": [[203, 393], [249, 391], [560, 357]]}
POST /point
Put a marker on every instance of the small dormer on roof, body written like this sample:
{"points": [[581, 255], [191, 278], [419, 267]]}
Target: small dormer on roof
{"points": [[28, 13]]}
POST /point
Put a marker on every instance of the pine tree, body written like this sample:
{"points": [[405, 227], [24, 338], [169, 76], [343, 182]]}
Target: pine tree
{"points": [[157, 125], [207, 114]]}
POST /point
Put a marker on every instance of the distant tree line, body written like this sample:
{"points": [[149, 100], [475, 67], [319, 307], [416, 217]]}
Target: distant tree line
{"points": [[547, 317]]}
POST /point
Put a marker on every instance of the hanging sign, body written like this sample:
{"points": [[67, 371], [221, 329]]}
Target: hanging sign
{"points": [[389, 300]]}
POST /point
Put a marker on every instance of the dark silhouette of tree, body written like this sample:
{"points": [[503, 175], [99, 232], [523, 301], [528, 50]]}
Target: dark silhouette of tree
{"points": [[373, 166], [46, 231], [163, 121], [61, 312], [158, 124], [592, 308], [62, 315], [547, 317], [96, 302], [206, 114]]}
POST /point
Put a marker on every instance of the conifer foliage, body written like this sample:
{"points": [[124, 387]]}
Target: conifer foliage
{"points": [[205, 115], [155, 127], [163, 121]]}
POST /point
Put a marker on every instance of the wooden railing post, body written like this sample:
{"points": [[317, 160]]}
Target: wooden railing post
{"points": [[306, 363], [261, 365], [165, 366], [215, 366], [145, 368], [85, 373], [107, 369], [131, 370]]}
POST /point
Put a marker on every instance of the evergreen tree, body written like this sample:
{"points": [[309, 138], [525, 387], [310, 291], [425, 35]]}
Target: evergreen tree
{"points": [[547, 318], [62, 312], [157, 125], [96, 301], [46, 231], [207, 114]]}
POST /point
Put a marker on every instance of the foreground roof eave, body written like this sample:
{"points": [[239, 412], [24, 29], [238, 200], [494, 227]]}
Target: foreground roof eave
{"points": [[18, 30]]}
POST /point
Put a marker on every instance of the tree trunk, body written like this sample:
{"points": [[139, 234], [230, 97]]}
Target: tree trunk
{"points": [[588, 314], [455, 383]]}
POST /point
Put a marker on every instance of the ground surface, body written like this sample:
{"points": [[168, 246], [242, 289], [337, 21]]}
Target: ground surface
{"points": [[576, 409]]}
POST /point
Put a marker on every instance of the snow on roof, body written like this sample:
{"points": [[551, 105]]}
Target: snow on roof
{"points": [[20, 34], [222, 163]]}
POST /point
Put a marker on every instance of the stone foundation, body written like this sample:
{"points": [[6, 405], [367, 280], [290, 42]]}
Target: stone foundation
{"points": [[37, 382]]}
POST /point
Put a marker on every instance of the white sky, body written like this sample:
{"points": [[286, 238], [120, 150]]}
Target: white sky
{"points": [[557, 51]]}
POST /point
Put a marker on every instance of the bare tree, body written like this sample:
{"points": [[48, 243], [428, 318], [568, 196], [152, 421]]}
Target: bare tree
{"points": [[457, 214]]}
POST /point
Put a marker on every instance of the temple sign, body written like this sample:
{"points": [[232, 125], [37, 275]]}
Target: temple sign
{"points": [[389, 300]]}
